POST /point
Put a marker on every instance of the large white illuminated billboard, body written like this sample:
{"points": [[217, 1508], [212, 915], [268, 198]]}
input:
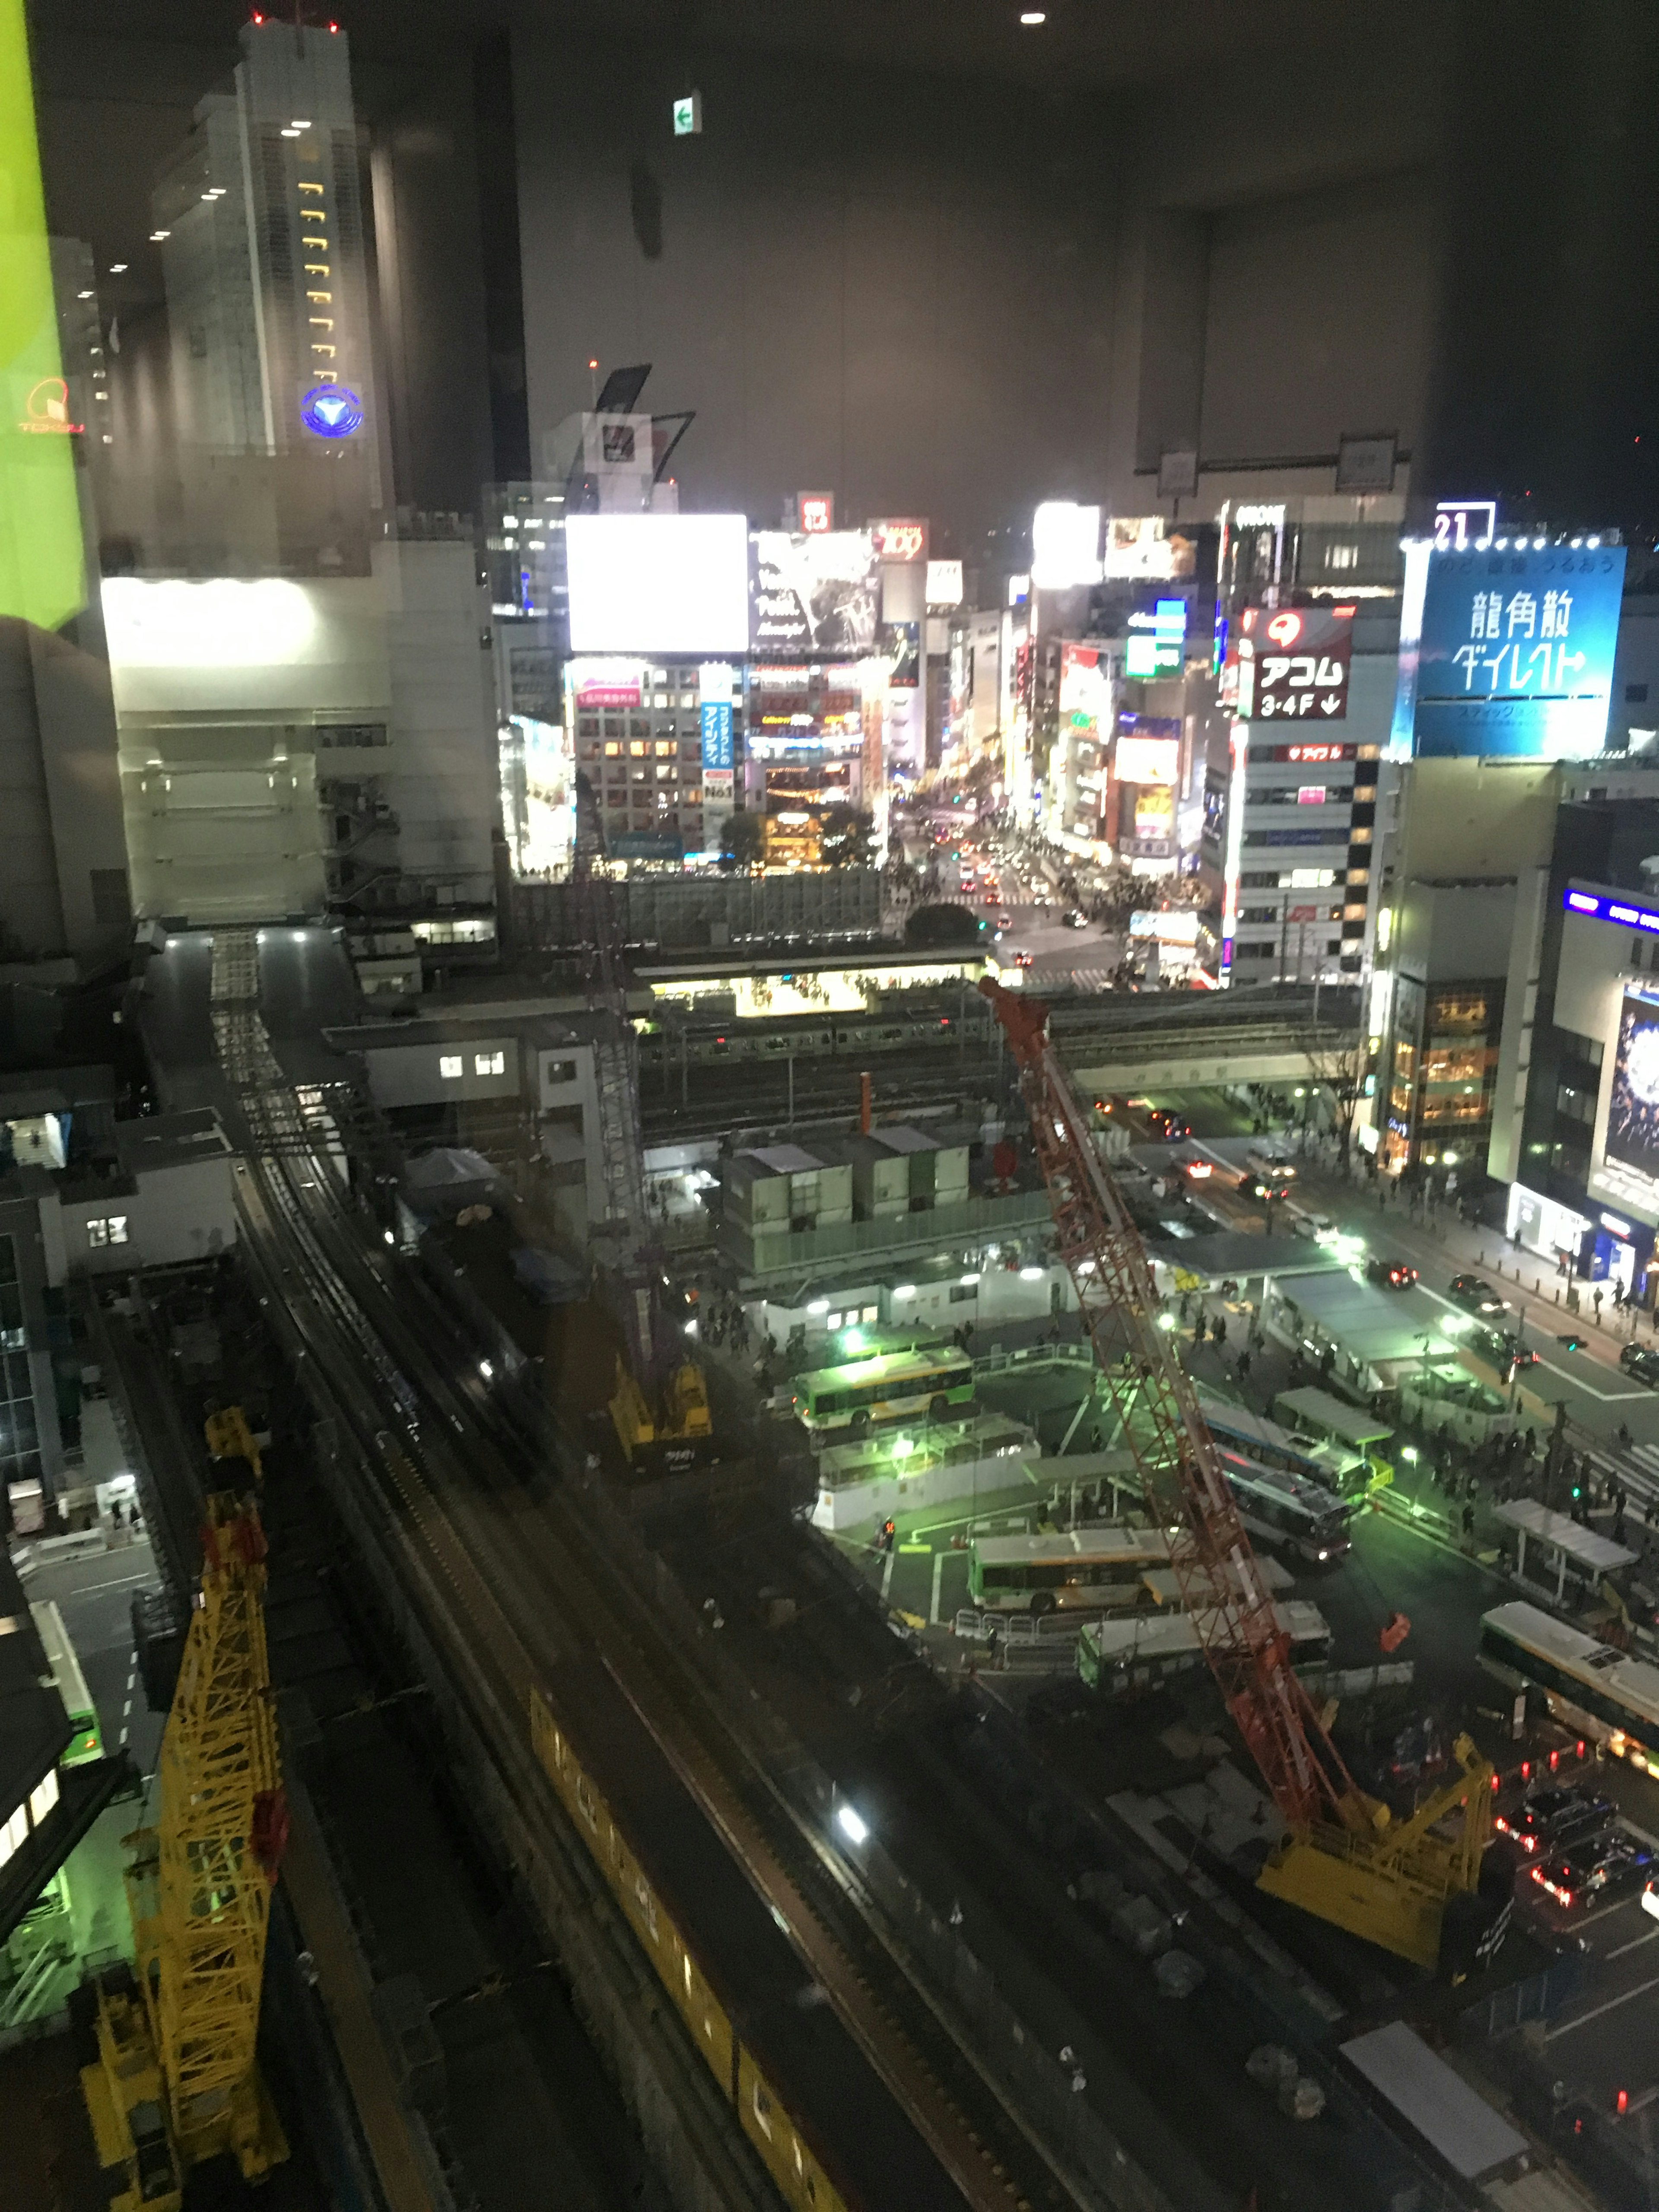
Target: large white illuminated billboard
{"points": [[1065, 545], [659, 583]]}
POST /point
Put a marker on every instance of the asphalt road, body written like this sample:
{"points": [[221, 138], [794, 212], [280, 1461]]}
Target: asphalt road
{"points": [[1597, 1392], [94, 1594]]}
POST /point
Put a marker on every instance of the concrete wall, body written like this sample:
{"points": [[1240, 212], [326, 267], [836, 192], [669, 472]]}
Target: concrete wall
{"points": [[1317, 319], [178, 1213], [865, 280], [218, 687], [444, 782], [30, 907], [411, 1075]]}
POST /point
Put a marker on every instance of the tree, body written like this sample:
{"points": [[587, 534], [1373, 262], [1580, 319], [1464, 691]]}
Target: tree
{"points": [[742, 841], [1338, 1063], [846, 838], [934, 928]]}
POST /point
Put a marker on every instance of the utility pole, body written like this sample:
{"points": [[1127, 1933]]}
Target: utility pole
{"points": [[1555, 1455]]}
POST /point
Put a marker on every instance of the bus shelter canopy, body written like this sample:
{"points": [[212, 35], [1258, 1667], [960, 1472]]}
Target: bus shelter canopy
{"points": [[1565, 1540], [1083, 1470]]}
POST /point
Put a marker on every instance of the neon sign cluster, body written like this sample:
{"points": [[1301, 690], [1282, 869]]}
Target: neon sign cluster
{"points": [[1605, 906]]}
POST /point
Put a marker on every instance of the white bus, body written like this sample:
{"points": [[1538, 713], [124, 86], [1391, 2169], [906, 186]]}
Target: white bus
{"points": [[1317, 1415], [1593, 1687], [1339, 1466], [1080, 1571], [1289, 1510], [928, 1382]]}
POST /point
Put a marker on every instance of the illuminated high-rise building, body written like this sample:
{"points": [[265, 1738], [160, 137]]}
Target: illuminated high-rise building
{"points": [[260, 220]]}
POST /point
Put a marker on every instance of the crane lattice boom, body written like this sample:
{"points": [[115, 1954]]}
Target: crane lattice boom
{"points": [[1186, 1488], [221, 1831]]}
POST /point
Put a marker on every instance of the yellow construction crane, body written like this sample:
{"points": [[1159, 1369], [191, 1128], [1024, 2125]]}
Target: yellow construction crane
{"points": [[175, 2080], [228, 1436]]}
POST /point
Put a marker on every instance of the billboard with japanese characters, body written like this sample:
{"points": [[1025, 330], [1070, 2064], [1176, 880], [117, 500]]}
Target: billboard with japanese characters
{"points": [[1293, 663], [1517, 651]]}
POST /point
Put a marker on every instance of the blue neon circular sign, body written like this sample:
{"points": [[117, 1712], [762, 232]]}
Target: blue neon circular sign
{"points": [[332, 410]]}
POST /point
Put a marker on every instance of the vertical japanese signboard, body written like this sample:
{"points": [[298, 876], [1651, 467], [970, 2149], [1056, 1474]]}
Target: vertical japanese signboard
{"points": [[1516, 649], [1293, 664]]}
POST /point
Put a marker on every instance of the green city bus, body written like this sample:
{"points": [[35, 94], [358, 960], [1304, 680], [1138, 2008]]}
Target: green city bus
{"points": [[928, 1382], [71, 1685]]}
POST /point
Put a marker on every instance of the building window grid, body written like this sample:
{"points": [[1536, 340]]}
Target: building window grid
{"points": [[19, 1442]]}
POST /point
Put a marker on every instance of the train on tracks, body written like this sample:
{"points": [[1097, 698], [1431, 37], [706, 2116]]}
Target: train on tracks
{"points": [[776, 2050], [906, 1022]]}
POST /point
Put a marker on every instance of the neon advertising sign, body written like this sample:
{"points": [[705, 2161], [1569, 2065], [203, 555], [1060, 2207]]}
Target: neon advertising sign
{"points": [[1600, 906], [47, 410], [331, 410], [899, 541]]}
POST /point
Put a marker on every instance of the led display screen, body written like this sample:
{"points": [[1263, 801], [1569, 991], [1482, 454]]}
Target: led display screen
{"points": [[42, 576], [1516, 650], [1148, 760], [1145, 545], [818, 592], [1633, 1108], [658, 583]]}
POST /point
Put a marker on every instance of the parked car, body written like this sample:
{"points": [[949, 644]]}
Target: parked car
{"points": [[1596, 1872], [1392, 1274], [1641, 1361], [1558, 1819], [1475, 1296]]}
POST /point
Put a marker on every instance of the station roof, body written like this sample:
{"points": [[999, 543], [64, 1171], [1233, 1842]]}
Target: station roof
{"points": [[1239, 1252], [169, 1140], [1434, 2100], [1598, 1555], [1372, 1324], [1118, 1466]]}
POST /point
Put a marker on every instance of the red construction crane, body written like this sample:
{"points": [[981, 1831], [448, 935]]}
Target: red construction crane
{"points": [[660, 1399], [1343, 1857]]}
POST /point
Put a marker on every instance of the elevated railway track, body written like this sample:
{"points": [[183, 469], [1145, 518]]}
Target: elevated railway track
{"points": [[798, 2015]]}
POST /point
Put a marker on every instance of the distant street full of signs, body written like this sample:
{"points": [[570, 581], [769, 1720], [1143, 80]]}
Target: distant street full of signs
{"points": [[1293, 664]]}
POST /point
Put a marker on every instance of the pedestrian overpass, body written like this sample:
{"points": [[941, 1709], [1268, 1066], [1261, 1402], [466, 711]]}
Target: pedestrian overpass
{"points": [[1160, 1040]]}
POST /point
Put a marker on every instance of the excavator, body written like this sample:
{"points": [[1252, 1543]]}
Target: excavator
{"points": [[660, 1405], [1410, 1886], [175, 2082]]}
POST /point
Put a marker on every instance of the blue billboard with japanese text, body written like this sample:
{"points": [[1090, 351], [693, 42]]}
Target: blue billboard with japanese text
{"points": [[1517, 651], [716, 719]]}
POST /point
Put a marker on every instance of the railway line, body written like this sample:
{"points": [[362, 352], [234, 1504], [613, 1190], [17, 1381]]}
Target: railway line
{"points": [[855, 2091]]}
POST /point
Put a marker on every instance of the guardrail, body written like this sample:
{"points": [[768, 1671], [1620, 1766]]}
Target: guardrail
{"points": [[1063, 1354]]}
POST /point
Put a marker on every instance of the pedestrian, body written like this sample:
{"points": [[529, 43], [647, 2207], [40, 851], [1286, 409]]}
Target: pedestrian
{"points": [[1469, 1520], [1219, 1331], [1244, 1364], [1198, 1328], [1619, 1526], [1596, 1300]]}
